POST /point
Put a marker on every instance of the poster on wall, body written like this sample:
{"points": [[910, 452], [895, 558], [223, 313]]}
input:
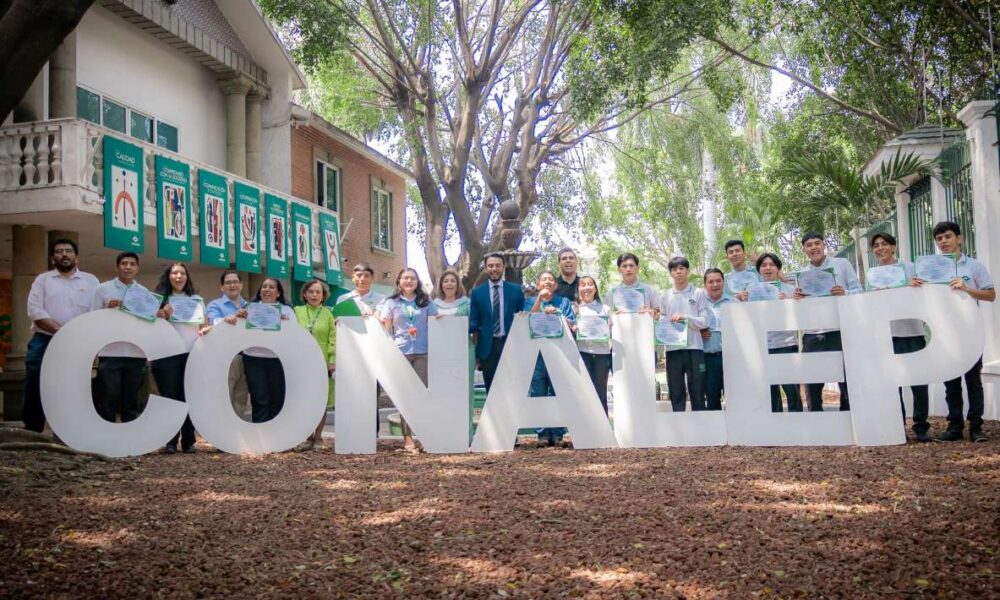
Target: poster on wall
{"points": [[277, 236], [212, 198], [247, 227], [173, 209], [302, 226], [329, 231], [123, 195]]}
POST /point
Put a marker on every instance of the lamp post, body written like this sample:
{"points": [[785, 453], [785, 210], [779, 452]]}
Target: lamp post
{"points": [[516, 261]]}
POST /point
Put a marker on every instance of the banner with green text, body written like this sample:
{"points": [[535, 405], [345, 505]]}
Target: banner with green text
{"points": [[247, 227], [329, 231], [123, 195], [213, 200], [173, 209], [302, 226], [277, 236]]}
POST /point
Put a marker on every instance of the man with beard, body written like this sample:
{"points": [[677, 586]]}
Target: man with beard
{"points": [[55, 297], [491, 314]]}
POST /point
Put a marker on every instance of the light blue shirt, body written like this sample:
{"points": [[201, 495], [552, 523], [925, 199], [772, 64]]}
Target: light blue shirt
{"points": [[974, 273], [714, 343], [843, 274], [222, 307], [409, 323]]}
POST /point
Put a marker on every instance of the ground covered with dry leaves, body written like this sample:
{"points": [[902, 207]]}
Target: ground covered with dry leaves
{"points": [[899, 522]]}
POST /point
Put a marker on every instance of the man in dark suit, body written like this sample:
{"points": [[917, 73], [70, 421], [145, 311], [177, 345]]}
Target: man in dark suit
{"points": [[488, 303]]}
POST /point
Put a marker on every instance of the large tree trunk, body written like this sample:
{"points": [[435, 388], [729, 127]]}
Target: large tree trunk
{"points": [[30, 31]]}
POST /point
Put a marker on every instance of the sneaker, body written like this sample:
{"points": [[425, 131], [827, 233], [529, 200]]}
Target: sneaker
{"points": [[977, 435], [170, 449], [951, 435], [923, 436]]}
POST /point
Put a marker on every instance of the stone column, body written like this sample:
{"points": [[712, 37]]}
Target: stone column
{"points": [[62, 79], [236, 124], [253, 134], [32, 105], [28, 259], [903, 247], [938, 203]]}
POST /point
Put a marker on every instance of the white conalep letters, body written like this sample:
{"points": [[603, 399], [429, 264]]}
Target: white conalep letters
{"points": [[439, 411]]}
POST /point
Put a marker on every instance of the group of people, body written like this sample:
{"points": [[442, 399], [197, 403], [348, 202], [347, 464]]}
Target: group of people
{"points": [[694, 370]]}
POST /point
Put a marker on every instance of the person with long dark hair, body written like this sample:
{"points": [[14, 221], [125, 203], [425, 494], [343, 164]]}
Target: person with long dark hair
{"points": [[404, 315], [175, 282], [265, 376], [596, 354]]}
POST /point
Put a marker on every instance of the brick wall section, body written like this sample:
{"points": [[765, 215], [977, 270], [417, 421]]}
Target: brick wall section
{"points": [[356, 173]]}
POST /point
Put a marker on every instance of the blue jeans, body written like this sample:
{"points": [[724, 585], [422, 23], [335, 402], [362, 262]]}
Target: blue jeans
{"points": [[32, 413], [540, 387]]}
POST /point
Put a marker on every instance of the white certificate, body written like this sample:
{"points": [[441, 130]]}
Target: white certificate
{"points": [[885, 277], [545, 325], [140, 302], [763, 291], [816, 282], [671, 334], [263, 316], [937, 268], [593, 328], [187, 309], [738, 281], [628, 300]]}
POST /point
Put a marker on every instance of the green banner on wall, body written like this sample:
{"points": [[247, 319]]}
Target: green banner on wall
{"points": [[173, 209], [213, 200], [123, 218], [329, 231], [277, 236], [247, 227], [302, 240]]}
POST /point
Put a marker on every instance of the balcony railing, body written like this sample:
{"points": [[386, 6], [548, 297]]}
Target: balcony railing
{"points": [[69, 152]]}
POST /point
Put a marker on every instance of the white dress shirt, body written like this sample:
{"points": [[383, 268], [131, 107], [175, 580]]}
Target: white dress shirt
{"points": [[106, 292], [53, 296]]}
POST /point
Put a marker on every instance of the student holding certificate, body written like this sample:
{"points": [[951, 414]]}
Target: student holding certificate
{"points": [[632, 295], [404, 315], [907, 334], [780, 342], [844, 281], [713, 385], [973, 279], [593, 335], [186, 312], [549, 303], [685, 364], [316, 318], [265, 376], [741, 274]]}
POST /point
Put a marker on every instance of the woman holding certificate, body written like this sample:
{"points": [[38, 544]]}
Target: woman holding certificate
{"points": [[265, 376], [404, 315], [186, 312], [317, 319], [593, 335], [546, 320], [780, 342]]}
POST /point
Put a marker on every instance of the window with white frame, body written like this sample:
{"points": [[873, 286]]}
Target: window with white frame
{"points": [[328, 186], [114, 115], [381, 220]]}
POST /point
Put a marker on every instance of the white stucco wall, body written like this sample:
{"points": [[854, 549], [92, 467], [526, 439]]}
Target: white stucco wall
{"points": [[130, 66]]}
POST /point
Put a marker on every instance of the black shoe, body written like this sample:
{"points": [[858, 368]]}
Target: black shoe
{"points": [[951, 435], [188, 449], [170, 449], [977, 435], [923, 436]]}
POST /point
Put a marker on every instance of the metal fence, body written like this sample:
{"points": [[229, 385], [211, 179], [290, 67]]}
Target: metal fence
{"points": [[921, 212], [957, 171]]}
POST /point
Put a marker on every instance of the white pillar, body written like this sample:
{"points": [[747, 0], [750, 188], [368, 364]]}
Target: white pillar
{"points": [[938, 201], [904, 246]]}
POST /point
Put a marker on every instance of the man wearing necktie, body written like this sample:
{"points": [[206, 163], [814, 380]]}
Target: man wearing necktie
{"points": [[491, 312]]}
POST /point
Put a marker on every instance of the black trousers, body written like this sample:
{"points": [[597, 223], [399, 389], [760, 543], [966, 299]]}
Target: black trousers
{"points": [[32, 413], [266, 382], [685, 372], [792, 395], [953, 396], [169, 375], [598, 367], [713, 384], [489, 364], [824, 342], [119, 379], [921, 396]]}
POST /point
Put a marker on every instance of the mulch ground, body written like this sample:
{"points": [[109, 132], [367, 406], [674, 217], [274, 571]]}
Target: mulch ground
{"points": [[900, 522]]}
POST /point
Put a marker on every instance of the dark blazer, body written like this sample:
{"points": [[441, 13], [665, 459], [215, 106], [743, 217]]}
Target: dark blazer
{"points": [[481, 313]]}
